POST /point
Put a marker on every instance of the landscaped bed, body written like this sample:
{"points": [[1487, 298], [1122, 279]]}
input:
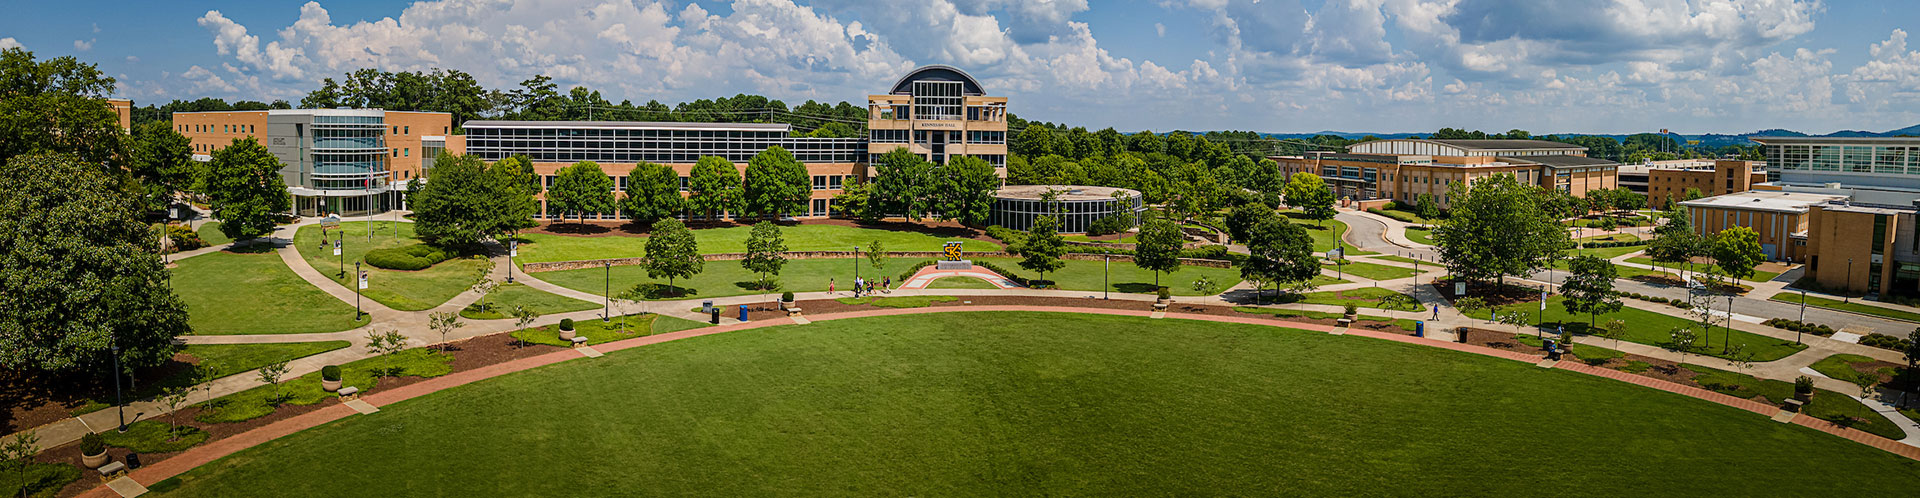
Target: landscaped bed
{"points": [[727, 278], [1655, 329], [401, 290], [1087, 405]]}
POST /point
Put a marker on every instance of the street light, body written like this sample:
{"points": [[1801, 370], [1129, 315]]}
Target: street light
{"points": [[1803, 316], [856, 271], [1106, 283], [606, 293], [1847, 296], [117, 402], [513, 246], [358, 279], [339, 243]]}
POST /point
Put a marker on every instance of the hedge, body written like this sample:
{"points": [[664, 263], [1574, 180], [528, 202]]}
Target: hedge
{"points": [[411, 257], [1614, 243], [1884, 341], [1798, 326]]}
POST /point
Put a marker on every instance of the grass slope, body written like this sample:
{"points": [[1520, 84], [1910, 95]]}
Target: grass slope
{"points": [[1647, 327], [1025, 404], [501, 302], [1841, 305], [1372, 271], [255, 293], [545, 248], [400, 290]]}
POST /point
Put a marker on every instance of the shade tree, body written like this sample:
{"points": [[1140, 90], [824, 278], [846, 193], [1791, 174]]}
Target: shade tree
{"points": [[653, 194], [581, 189], [716, 188]]}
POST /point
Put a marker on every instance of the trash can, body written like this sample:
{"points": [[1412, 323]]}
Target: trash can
{"points": [[1460, 335], [706, 306], [743, 312], [1419, 328], [716, 315]]}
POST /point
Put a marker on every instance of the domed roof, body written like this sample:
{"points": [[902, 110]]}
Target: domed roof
{"points": [[938, 72]]}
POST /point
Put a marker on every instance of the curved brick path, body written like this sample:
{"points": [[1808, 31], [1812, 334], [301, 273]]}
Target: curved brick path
{"points": [[215, 450]]}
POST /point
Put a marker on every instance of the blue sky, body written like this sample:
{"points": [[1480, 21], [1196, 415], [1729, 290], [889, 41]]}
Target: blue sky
{"points": [[1598, 66]]}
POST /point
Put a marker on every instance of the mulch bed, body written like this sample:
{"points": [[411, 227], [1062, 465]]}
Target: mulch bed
{"points": [[467, 355], [628, 228], [1494, 294]]}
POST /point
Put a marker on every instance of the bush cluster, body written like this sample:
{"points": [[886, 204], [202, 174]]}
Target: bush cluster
{"points": [[1677, 303], [1819, 329], [410, 257], [1010, 275], [92, 444], [1111, 224], [1012, 238], [1403, 216], [183, 238], [1803, 387], [1884, 341], [330, 373], [914, 268], [566, 324], [1614, 243]]}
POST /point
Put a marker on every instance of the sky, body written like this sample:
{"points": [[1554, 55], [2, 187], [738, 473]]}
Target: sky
{"points": [[1284, 66]]}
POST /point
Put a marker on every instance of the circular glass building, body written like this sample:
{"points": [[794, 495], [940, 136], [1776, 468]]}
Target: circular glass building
{"points": [[1017, 206]]}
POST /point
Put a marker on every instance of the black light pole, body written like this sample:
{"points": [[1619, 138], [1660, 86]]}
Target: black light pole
{"points": [[357, 277], [117, 403], [856, 271], [1803, 316], [1847, 296], [606, 291], [1106, 282], [339, 248], [512, 245]]}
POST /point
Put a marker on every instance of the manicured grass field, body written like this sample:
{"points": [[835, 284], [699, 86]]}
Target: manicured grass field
{"points": [[42, 480], [1364, 297], [1840, 366], [1424, 265], [546, 248], [255, 293], [1620, 271], [1647, 327], [620, 327], [1125, 277], [400, 290], [960, 283], [1841, 305], [1826, 405], [305, 390], [1422, 236], [1758, 276], [209, 232], [898, 302], [155, 436], [1372, 271], [1030, 404], [501, 302], [229, 359], [727, 278]]}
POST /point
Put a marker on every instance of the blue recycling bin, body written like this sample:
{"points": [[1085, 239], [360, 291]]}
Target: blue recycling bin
{"points": [[1419, 328], [743, 312]]}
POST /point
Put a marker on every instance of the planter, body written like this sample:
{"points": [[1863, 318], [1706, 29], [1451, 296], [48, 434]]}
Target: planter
{"points": [[330, 385], [566, 335], [786, 305], [94, 461]]}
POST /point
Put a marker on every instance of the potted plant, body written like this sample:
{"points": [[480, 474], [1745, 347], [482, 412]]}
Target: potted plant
{"points": [[786, 300], [1164, 297], [330, 378], [1351, 309], [566, 330], [93, 450], [1803, 388]]}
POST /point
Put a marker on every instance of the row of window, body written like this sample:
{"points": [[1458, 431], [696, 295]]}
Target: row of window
{"points": [[818, 207], [1903, 160], [495, 154], [480, 133], [820, 182], [209, 128]]}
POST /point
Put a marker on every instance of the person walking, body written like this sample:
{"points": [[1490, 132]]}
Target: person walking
{"points": [[829, 286], [886, 284], [1436, 312]]}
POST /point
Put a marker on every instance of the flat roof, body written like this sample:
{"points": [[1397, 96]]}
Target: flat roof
{"points": [[1492, 144], [632, 125], [1764, 200], [1837, 140], [1067, 192], [1558, 161], [1848, 207]]}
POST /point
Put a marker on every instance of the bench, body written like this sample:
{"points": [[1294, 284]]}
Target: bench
{"points": [[579, 341], [793, 311], [112, 469], [349, 392], [1794, 405]]}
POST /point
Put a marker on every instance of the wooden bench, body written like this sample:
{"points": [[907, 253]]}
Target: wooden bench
{"points": [[579, 341], [793, 311], [349, 392], [112, 469]]}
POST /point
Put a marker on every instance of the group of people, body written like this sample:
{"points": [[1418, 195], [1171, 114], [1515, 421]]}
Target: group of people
{"points": [[864, 286]]}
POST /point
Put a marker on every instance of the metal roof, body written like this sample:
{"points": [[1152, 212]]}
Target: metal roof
{"points": [[1763, 200], [1559, 161], [1505, 144], [632, 125]]}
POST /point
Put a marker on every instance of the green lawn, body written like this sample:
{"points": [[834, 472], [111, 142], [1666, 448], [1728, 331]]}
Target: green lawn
{"points": [[1421, 236], [1125, 277], [998, 404], [1424, 265], [1325, 233], [1618, 237], [1372, 271], [306, 390], [255, 293], [1841, 305], [545, 248], [1758, 276], [1620, 271], [961, 283], [229, 359], [1131, 238], [155, 436], [898, 302], [43, 479], [726, 278], [400, 290], [1647, 327], [210, 233], [1364, 297], [620, 327], [1826, 405], [1840, 366], [1604, 252], [503, 300]]}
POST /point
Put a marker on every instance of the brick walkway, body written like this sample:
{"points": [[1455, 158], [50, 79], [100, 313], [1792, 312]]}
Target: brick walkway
{"points": [[207, 453]]}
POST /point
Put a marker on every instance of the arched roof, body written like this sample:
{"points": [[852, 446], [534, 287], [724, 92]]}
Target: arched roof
{"points": [[938, 72]]}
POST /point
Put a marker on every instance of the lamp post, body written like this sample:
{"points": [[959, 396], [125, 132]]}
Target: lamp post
{"points": [[339, 249], [117, 403], [1803, 316], [606, 293], [1106, 282], [358, 278], [1847, 296], [513, 246], [856, 271]]}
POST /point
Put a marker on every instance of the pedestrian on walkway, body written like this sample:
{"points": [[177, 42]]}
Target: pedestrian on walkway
{"points": [[829, 286], [1436, 312], [886, 284]]}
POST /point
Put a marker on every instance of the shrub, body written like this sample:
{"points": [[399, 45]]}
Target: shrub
{"points": [[914, 268], [1111, 224], [1205, 252], [1016, 278], [409, 258], [1398, 214], [92, 444], [786, 296], [566, 324], [330, 373], [1803, 388], [1350, 308], [1884, 341], [183, 238], [1010, 237], [1164, 293]]}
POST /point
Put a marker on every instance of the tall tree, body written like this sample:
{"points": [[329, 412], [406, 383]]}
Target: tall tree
{"points": [[57, 105], [1589, 288], [1194, 190], [1496, 229], [466, 201], [653, 193], [1242, 218], [1737, 251], [673, 252], [1159, 248], [966, 190], [1307, 192], [79, 273], [903, 185], [1043, 247], [776, 184], [715, 183], [766, 251], [245, 190], [162, 159], [581, 189], [1279, 252], [856, 201]]}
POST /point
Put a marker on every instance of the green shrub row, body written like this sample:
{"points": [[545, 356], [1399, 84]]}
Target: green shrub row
{"points": [[1884, 341], [914, 268], [1009, 274], [1398, 215], [1818, 329], [1677, 303], [409, 257], [1111, 224], [1614, 243]]}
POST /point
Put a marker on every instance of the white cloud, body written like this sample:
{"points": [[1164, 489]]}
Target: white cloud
{"points": [[1160, 30], [83, 45], [9, 42]]}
